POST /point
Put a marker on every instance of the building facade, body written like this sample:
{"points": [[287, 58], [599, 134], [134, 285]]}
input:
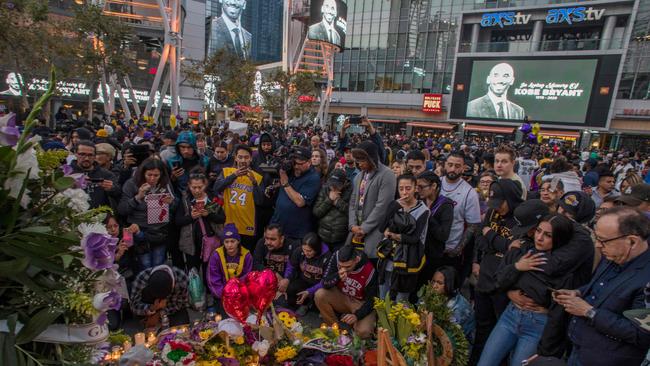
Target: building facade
{"points": [[407, 48]]}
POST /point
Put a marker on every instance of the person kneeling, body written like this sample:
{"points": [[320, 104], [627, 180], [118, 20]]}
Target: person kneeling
{"points": [[160, 293], [229, 261], [349, 288]]}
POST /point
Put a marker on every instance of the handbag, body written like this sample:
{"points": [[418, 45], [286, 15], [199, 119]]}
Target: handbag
{"points": [[196, 289], [208, 243]]}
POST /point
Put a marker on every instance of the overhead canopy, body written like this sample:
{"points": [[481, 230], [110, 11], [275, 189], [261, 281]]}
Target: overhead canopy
{"points": [[560, 133], [494, 129], [433, 125], [384, 120]]}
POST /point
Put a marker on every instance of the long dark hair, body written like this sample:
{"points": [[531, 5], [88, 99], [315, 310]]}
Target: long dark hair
{"points": [[313, 241], [451, 279], [562, 229], [151, 164]]}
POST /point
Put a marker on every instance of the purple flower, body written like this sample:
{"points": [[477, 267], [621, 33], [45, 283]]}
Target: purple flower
{"points": [[67, 169], [163, 340], [101, 319], [99, 251], [79, 179], [9, 134]]}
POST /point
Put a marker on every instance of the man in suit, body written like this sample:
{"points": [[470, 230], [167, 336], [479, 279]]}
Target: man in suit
{"points": [[495, 103], [600, 333], [325, 30], [227, 31]]}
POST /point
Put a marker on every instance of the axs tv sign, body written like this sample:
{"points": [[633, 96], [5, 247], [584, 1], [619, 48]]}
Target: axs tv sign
{"points": [[554, 16]]}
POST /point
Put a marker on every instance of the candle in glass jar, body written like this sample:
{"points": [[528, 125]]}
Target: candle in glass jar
{"points": [[217, 318], [151, 338], [127, 345], [116, 354], [139, 339]]}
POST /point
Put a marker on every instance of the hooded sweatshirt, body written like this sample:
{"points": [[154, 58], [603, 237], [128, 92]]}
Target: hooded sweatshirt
{"points": [[197, 160], [492, 246]]}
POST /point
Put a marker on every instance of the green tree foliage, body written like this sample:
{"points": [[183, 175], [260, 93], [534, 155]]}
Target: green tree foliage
{"points": [[289, 88]]}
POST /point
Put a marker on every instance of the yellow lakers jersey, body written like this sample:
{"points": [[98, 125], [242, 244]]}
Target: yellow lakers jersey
{"points": [[238, 202]]}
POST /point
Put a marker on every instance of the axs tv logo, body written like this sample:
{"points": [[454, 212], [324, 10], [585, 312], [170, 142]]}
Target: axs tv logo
{"points": [[553, 16]]}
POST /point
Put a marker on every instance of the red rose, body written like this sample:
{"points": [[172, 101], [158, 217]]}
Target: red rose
{"points": [[339, 360]]}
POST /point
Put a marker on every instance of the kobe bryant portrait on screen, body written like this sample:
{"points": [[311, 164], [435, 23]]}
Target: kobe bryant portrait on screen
{"points": [[495, 103], [325, 29], [227, 31]]}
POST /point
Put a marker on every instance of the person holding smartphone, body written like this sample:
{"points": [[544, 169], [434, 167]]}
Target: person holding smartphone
{"points": [[187, 158], [102, 185], [150, 240]]}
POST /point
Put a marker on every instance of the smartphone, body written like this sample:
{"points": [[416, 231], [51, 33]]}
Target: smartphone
{"points": [[127, 236], [96, 180], [176, 164], [355, 120], [199, 205]]}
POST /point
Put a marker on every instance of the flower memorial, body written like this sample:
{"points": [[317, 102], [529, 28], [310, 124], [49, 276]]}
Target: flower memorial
{"points": [[52, 254]]}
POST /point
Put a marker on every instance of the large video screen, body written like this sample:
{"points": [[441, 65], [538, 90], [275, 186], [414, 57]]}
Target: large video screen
{"points": [[552, 90], [250, 29], [328, 21]]}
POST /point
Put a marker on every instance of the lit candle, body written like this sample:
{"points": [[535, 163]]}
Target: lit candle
{"points": [[151, 338], [127, 345], [335, 326], [323, 326], [116, 353], [139, 339], [217, 318]]}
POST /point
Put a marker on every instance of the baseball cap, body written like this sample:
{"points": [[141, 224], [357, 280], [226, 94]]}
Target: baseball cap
{"points": [[171, 135], [105, 148], [501, 190], [579, 205], [638, 194], [528, 215], [337, 178], [302, 153]]}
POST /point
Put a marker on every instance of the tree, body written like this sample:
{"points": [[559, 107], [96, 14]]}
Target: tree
{"points": [[224, 78], [284, 90], [102, 44], [31, 40]]}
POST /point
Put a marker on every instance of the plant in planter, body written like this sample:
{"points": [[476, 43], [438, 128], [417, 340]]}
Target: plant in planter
{"points": [[53, 251]]}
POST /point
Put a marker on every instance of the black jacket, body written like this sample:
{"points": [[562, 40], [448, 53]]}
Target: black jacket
{"points": [[492, 247], [98, 196], [274, 260], [332, 217], [439, 227]]}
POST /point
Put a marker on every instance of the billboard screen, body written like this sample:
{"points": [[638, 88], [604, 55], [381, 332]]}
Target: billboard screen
{"points": [[328, 22], [553, 90], [250, 29]]}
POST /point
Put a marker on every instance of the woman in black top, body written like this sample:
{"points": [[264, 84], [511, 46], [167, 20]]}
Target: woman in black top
{"points": [[519, 329]]}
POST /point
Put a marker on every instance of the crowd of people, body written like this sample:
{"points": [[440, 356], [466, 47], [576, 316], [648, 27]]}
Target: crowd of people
{"points": [[539, 249]]}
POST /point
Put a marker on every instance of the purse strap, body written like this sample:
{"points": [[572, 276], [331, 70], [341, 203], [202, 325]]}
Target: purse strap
{"points": [[202, 226]]}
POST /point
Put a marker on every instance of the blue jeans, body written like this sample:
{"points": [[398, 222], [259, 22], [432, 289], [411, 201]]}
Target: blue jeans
{"points": [[155, 257], [518, 331], [385, 288]]}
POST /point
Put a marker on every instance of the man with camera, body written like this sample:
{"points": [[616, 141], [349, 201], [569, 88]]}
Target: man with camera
{"points": [[101, 184], [299, 186], [242, 190]]}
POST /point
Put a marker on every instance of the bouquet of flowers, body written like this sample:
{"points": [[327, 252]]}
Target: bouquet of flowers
{"points": [[53, 251], [404, 327]]}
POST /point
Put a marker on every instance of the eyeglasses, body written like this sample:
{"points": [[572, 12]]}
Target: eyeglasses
{"points": [[604, 242], [85, 155]]}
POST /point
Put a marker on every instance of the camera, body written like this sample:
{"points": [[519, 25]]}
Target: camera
{"points": [[279, 160], [355, 120]]}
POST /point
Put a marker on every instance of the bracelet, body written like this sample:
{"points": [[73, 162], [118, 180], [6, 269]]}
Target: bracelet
{"points": [[285, 185]]}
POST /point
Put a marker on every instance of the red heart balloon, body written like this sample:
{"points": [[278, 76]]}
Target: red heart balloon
{"points": [[236, 300], [262, 287]]}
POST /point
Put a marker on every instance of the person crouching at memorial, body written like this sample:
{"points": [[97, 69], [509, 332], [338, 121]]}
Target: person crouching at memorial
{"points": [[198, 225], [349, 288], [160, 296], [445, 281], [231, 260], [401, 253], [304, 272]]}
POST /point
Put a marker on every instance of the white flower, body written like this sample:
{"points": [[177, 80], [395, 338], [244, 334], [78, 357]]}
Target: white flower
{"points": [[78, 199], [86, 229], [261, 347], [25, 163], [296, 328]]}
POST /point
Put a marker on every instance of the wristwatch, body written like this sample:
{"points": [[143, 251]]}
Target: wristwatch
{"points": [[591, 313], [285, 185]]}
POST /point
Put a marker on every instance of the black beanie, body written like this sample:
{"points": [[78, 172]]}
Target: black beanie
{"points": [[84, 134]]}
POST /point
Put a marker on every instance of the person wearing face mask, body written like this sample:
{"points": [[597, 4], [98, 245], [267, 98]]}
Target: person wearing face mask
{"points": [[600, 333]]}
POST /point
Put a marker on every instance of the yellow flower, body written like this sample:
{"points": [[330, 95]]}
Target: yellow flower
{"points": [[283, 315], [239, 340], [285, 353], [205, 334], [208, 363], [230, 353]]}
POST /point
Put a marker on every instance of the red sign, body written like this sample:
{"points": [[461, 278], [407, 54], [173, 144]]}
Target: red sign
{"points": [[432, 103], [306, 98], [636, 112], [193, 114]]}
